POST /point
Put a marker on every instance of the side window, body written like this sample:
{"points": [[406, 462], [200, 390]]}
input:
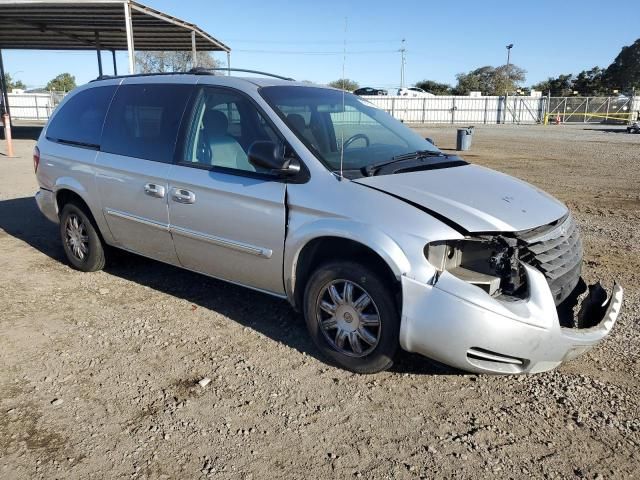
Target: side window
{"points": [[144, 120], [81, 118], [225, 124]]}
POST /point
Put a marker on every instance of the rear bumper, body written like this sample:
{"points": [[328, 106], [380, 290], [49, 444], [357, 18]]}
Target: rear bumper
{"points": [[46, 201], [460, 325]]}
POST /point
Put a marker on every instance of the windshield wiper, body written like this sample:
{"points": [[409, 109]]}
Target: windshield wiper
{"points": [[371, 169]]}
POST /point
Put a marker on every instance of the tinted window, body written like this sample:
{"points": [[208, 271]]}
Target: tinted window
{"points": [[80, 119], [225, 124], [143, 121]]}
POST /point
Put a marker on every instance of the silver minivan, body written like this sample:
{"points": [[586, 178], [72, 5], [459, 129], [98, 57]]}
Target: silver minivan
{"points": [[314, 195]]}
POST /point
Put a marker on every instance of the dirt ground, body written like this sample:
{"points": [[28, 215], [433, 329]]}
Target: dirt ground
{"points": [[98, 371]]}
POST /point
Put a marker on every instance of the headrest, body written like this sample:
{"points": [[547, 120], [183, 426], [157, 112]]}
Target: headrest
{"points": [[215, 122], [296, 121]]}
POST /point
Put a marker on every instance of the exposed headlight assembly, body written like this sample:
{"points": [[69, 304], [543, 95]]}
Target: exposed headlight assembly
{"points": [[490, 263]]}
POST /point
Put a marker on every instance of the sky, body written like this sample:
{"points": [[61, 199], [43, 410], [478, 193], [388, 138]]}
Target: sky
{"points": [[305, 39]]}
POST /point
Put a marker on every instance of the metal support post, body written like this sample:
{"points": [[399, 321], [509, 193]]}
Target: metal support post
{"points": [[130, 45], [97, 37], [229, 64], [4, 90], [115, 66], [453, 111], [5, 111], [586, 110], [194, 53], [7, 134]]}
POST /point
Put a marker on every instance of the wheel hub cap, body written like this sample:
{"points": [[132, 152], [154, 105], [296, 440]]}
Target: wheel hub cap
{"points": [[76, 237], [348, 318]]}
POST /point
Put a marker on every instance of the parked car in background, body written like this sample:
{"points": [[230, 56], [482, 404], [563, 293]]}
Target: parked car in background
{"points": [[370, 91], [414, 92], [378, 237]]}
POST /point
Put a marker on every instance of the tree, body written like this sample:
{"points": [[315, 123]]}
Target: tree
{"points": [[436, 88], [13, 84], [561, 86], [65, 82], [490, 80], [345, 84], [591, 82], [159, 62], [624, 72]]}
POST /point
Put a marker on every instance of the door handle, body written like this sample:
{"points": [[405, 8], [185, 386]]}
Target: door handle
{"points": [[154, 190], [181, 195]]}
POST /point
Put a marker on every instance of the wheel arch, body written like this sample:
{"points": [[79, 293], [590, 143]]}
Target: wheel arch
{"points": [[66, 192], [370, 247]]}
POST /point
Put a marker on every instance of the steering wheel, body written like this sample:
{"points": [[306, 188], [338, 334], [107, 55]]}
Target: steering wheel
{"points": [[357, 136]]}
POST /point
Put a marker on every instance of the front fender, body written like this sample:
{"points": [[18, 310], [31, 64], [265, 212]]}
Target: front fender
{"points": [[362, 233]]}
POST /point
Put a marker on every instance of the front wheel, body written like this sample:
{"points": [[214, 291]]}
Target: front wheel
{"points": [[352, 317]]}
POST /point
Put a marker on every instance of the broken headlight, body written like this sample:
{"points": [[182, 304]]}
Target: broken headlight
{"points": [[490, 263]]}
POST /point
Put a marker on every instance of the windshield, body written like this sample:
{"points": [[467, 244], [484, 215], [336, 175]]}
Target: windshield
{"points": [[367, 134]]}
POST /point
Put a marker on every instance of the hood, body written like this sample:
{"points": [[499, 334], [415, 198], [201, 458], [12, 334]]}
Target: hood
{"points": [[472, 197]]}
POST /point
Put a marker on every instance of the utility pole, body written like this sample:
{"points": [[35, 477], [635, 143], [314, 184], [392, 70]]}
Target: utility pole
{"points": [[506, 86], [403, 61]]}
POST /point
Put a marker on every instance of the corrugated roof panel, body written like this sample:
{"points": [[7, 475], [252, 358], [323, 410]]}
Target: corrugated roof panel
{"points": [[71, 25]]}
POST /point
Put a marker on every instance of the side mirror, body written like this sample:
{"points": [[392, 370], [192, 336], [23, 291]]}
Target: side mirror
{"points": [[270, 156], [430, 140]]}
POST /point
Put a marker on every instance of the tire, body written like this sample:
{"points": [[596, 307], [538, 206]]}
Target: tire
{"points": [[328, 325], [81, 240]]}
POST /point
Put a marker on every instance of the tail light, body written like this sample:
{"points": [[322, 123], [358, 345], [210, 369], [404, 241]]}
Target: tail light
{"points": [[36, 158]]}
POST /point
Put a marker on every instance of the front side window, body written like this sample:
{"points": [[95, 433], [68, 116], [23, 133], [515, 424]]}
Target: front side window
{"points": [[144, 120], [224, 125], [331, 122], [80, 119]]}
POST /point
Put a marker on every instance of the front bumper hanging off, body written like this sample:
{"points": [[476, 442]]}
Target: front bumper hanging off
{"points": [[460, 325]]}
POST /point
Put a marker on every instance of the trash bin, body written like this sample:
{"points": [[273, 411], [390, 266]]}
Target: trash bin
{"points": [[463, 141]]}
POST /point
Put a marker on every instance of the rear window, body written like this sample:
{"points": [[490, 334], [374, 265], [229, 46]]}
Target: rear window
{"points": [[80, 119], [143, 121]]}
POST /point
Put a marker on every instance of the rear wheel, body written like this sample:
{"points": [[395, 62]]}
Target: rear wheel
{"points": [[352, 317], [82, 244]]}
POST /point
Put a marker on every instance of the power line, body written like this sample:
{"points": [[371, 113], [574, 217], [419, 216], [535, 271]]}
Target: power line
{"points": [[297, 52], [308, 42]]}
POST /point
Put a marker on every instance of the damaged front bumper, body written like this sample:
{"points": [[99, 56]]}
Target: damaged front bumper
{"points": [[458, 324]]}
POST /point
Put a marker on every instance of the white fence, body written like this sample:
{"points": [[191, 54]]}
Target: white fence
{"points": [[34, 106], [489, 110]]}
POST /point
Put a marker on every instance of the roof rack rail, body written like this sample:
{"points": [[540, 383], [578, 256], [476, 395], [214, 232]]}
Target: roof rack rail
{"points": [[204, 71], [134, 75], [193, 71]]}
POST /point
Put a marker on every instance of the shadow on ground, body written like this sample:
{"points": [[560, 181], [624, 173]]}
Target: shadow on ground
{"points": [[272, 317], [607, 130]]}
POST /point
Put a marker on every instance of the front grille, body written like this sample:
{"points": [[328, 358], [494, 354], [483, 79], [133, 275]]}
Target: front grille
{"points": [[555, 250]]}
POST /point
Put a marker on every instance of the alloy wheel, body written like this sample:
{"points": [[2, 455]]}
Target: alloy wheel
{"points": [[348, 318]]}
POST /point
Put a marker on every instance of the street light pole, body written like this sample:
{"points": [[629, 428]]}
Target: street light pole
{"points": [[506, 86]]}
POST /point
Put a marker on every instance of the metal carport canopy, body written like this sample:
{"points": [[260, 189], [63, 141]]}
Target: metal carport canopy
{"points": [[98, 25]]}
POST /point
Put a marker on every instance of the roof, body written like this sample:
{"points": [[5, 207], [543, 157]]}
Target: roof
{"points": [[72, 25], [203, 78]]}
